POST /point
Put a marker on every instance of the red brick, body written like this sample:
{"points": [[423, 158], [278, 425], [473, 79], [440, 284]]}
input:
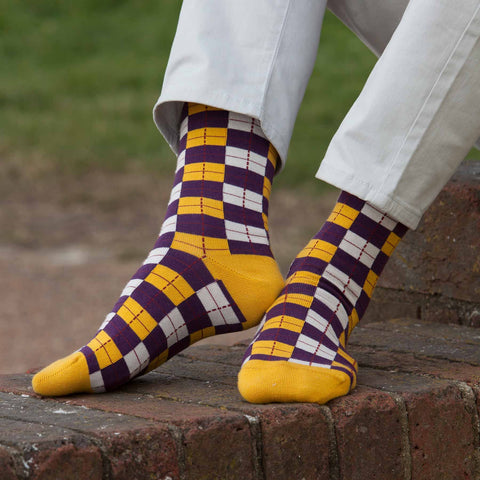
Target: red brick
{"points": [[437, 406], [434, 274], [188, 416], [216, 354], [442, 432], [443, 255], [187, 390], [130, 443], [7, 465], [476, 391], [389, 303], [443, 312], [148, 453], [196, 367], [450, 342], [68, 463], [219, 449], [414, 363], [369, 433], [295, 442], [147, 406], [17, 384]]}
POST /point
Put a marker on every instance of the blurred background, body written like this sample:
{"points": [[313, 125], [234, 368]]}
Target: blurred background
{"points": [[81, 162]]}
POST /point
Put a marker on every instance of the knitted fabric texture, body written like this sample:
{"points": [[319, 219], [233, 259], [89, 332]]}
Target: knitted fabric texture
{"points": [[211, 271], [299, 353]]}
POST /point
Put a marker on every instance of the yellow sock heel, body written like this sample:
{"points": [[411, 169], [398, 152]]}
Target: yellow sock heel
{"points": [[282, 381]]}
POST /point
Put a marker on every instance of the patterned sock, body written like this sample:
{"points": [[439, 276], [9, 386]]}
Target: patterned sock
{"points": [[211, 270], [299, 353]]}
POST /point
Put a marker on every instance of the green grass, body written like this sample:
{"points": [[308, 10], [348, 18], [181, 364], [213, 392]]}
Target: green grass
{"points": [[342, 66], [79, 79]]}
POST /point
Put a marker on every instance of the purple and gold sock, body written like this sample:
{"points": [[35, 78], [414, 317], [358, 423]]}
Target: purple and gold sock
{"points": [[211, 270], [299, 353]]}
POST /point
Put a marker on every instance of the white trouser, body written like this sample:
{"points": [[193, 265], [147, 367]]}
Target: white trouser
{"points": [[415, 120]]}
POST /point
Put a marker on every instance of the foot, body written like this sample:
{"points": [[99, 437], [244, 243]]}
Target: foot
{"points": [[211, 270], [300, 352]]}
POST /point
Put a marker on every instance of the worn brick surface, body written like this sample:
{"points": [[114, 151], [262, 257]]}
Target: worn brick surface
{"points": [[415, 363], [443, 427], [7, 465], [452, 342], [365, 449], [189, 390], [414, 415], [129, 443], [17, 384], [443, 255], [476, 392], [73, 463], [434, 274], [47, 450], [148, 406], [65, 414], [214, 371], [219, 450], [218, 354], [295, 443], [390, 303], [145, 453]]}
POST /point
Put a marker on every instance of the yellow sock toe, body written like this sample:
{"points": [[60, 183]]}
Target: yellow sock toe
{"points": [[281, 381], [63, 377]]}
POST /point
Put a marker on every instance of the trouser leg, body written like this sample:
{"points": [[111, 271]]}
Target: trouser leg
{"points": [[419, 112], [373, 21], [414, 122], [247, 56]]}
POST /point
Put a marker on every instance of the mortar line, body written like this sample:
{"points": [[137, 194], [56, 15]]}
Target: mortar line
{"points": [[470, 400], [333, 458], [179, 439], [406, 449], [255, 426]]}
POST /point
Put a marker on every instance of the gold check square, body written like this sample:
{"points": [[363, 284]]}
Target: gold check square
{"points": [[370, 283], [306, 278], [198, 246], [353, 320], [105, 349], [212, 172], [267, 188], [272, 155], [203, 333], [194, 108], [172, 284], [268, 347], [200, 206], [157, 361], [137, 318], [390, 244], [319, 249], [291, 324], [343, 215], [207, 136], [299, 299]]}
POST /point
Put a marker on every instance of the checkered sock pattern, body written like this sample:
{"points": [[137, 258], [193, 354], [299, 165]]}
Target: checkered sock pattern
{"points": [[211, 270], [299, 353]]}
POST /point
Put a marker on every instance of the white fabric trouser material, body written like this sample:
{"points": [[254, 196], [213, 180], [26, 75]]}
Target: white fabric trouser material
{"points": [[415, 120]]}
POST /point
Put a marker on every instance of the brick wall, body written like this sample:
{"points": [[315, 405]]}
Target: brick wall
{"points": [[434, 274]]}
